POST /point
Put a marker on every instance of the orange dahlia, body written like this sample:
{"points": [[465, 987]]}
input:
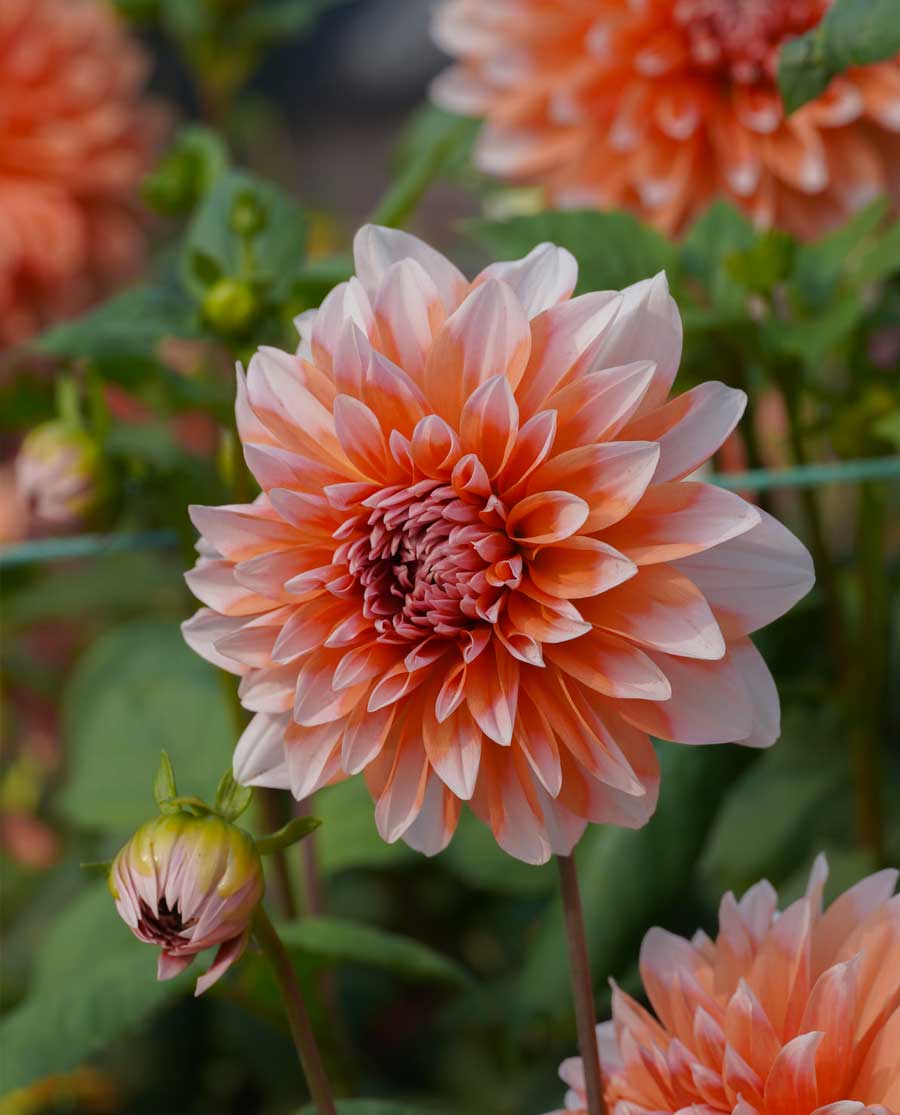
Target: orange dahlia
{"points": [[75, 139], [787, 1013], [658, 105], [475, 570]]}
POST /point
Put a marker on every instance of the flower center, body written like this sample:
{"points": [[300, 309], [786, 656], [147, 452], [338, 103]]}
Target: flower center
{"points": [[430, 559], [164, 925], [740, 38]]}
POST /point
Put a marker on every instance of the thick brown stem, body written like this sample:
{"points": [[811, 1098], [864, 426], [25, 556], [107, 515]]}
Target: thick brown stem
{"points": [[582, 984], [298, 1019]]}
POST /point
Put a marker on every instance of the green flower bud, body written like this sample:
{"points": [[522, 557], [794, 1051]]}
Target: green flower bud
{"points": [[230, 306]]}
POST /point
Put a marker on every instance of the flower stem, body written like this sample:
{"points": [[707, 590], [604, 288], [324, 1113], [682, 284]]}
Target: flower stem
{"points": [[872, 656], [298, 1019], [582, 984]]}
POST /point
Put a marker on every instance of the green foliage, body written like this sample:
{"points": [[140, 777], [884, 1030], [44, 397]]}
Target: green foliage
{"points": [[138, 689], [164, 787], [93, 983], [349, 838], [852, 33], [287, 835], [122, 336], [613, 249], [629, 879], [800, 788], [326, 942], [187, 171]]}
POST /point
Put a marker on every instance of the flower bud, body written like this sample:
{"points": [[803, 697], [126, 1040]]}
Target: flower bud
{"points": [[186, 883], [230, 306], [59, 475]]}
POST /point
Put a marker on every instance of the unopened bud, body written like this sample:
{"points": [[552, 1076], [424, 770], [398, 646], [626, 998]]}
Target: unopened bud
{"points": [[230, 306], [59, 476], [185, 883], [248, 217]]}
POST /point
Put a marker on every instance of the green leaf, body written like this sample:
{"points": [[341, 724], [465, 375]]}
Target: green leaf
{"points": [[475, 857], [287, 835], [277, 253], [794, 786], [720, 235], [852, 33], [332, 941], [888, 428], [348, 838], [232, 799], [629, 878], [164, 788], [883, 258], [121, 335], [92, 983], [435, 141], [613, 249], [138, 689], [819, 267]]}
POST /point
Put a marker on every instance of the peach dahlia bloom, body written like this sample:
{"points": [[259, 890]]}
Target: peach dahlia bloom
{"points": [[658, 105], [787, 1013], [475, 570], [75, 139]]}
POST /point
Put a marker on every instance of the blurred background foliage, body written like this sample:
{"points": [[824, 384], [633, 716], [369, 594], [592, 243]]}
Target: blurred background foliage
{"points": [[442, 984]]}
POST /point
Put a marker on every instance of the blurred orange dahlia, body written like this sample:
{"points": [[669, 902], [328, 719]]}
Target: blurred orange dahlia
{"points": [[75, 140], [475, 570], [787, 1013], [659, 105]]}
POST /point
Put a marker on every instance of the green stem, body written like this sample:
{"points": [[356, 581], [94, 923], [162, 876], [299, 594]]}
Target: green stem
{"points": [[826, 570], [582, 983], [871, 675], [405, 193], [298, 1018], [268, 806]]}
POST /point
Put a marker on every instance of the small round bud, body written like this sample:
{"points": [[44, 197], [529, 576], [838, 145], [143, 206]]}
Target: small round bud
{"points": [[186, 883], [248, 217], [59, 476], [230, 306]]}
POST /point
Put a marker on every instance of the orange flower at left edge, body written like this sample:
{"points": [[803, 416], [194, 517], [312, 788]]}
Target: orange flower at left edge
{"points": [[76, 137], [477, 571]]}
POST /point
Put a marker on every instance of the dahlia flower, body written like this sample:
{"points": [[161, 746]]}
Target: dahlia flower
{"points": [[75, 140], [660, 105], [475, 571], [58, 474], [187, 883], [786, 1013]]}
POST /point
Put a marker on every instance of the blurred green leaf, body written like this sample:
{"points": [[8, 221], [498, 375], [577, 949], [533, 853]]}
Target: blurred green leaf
{"points": [[348, 838], [276, 255], [883, 258], [819, 266], [475, 857], [107, 587], [121, 335], [629, 878], [330, 941], [793, 787], [852, 33], [92, 983], [434, 142], [139, 689], [888, 428], [613, 249]]}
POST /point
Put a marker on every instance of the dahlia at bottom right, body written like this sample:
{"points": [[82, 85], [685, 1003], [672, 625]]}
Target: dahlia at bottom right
{"points": [[785, 1013]]}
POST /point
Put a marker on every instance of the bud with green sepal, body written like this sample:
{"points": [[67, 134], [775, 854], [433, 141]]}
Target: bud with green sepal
{"points": [[190, 879]]}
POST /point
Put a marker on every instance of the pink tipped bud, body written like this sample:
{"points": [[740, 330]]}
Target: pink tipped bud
{"points": [[186, 883], [58, 476]]}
